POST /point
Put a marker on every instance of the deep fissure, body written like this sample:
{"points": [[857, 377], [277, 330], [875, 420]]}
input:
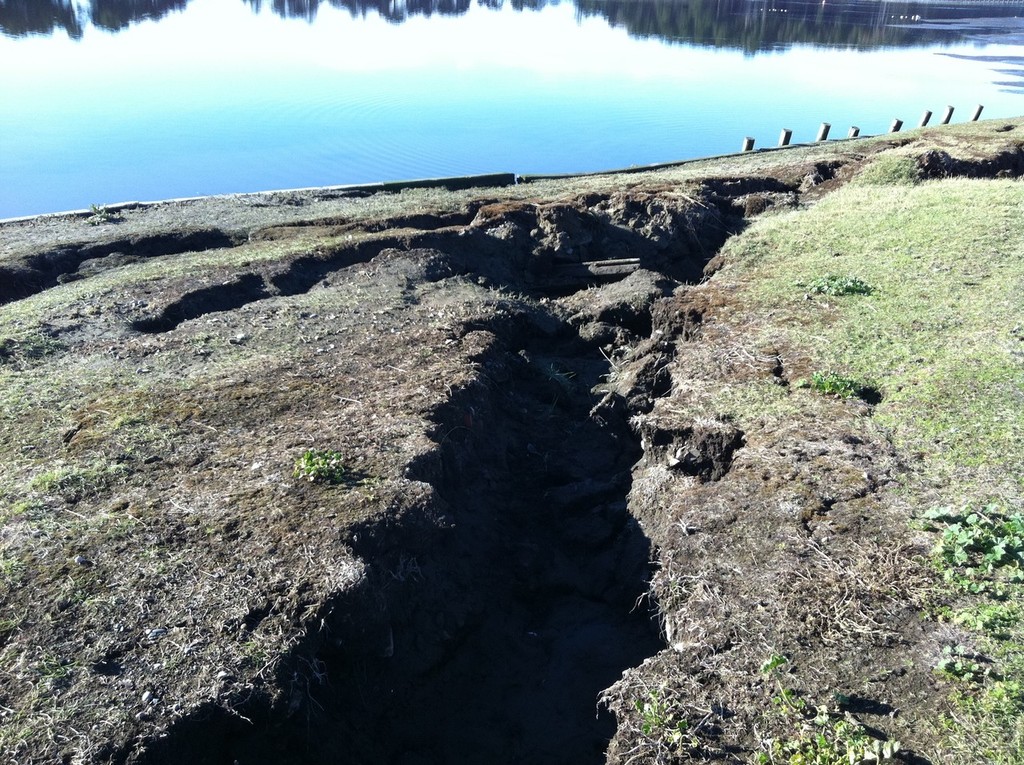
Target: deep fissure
{"points": [[548, 567], [26, 276], [490, 622]]}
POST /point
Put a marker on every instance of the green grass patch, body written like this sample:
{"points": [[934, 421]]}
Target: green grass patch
{"points": [[836, 286], [322, 466], [73, 483], [939, 335], [12, 571], [980, 553], [889, 170], [17, 352]]}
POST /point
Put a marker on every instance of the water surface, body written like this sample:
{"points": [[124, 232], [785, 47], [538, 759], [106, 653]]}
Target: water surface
{"points": [[149, 99]]}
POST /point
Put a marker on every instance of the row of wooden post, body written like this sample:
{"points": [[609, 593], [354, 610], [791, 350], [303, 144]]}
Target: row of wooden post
{"points": [[787, 134]]}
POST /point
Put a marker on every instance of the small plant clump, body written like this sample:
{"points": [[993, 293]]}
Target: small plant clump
{"points": [[773, 662], [50, 667], [321, 466], [666, 732], [101, 214], [826, 740], [822, 736], [836, 286], [960, 663], [835, 384], [980, 550], [660, 721]]}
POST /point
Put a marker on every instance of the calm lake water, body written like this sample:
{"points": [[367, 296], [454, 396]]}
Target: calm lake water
{"points": [[116, 100]]}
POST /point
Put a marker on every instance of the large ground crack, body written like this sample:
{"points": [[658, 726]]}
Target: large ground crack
{"points": [[551, 248], [538, 584], [494, 612], [491, 618], [29, 275]]}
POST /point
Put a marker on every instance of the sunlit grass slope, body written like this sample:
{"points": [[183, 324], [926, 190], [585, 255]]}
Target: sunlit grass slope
{"points": [[936, 330], [941, 334]]}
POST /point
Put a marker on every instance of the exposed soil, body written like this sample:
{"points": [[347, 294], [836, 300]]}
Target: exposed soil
{"points": [[488, 635], [542, 522]]}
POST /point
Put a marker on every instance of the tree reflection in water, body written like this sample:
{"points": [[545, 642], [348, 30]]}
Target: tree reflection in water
{"points": [[757, 25], [39, 17], [749, 25]]}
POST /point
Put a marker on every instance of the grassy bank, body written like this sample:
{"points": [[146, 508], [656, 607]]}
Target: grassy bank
{"points": [[911, 294]]}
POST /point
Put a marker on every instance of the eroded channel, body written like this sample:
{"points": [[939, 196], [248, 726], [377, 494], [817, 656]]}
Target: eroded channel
{"points": [[492, 617], [533, 603], [488, 624]]}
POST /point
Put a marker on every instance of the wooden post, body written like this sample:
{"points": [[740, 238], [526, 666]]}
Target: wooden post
{"points": [[925, 117], [785, 136], [823, 131], [977, 113], [748, 144], [948, 115], [895, 126], [854, 132]]}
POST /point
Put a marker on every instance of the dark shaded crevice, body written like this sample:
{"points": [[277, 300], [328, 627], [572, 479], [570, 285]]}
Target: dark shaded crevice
{"points": [[427, 221], [536, 579], [562, 247], [228, 296], [939, 164], [340, 226], [303, 273], [297, 277], [29, 275], [108, 665], [553, 249], [191, 740], [492, 616], [306, 272], [741, 186]]}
